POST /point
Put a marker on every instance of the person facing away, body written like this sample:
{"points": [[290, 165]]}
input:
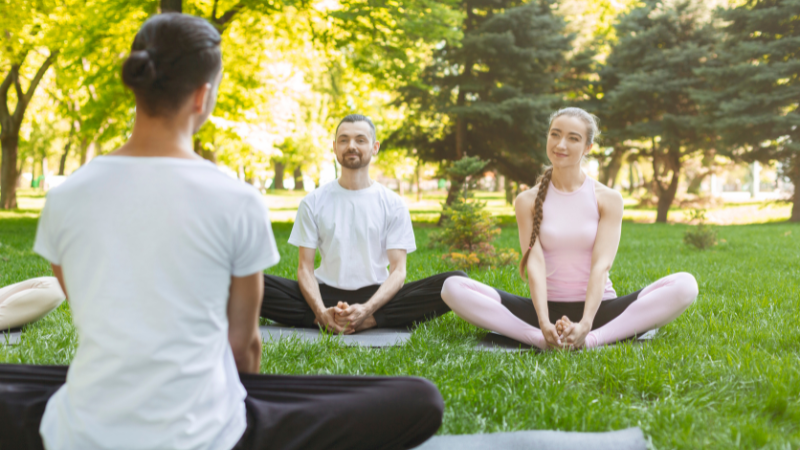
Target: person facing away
{"points": [[359, 227], [569, 232], [162, 257]]}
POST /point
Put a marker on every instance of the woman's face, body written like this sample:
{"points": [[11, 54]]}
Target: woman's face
{"points": [[566, 141]]}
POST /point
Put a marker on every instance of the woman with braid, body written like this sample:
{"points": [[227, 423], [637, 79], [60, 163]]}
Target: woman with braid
{"points": [[569, 231]]}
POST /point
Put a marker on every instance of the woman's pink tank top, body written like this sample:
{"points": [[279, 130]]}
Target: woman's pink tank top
{"points": [[567, 233]]}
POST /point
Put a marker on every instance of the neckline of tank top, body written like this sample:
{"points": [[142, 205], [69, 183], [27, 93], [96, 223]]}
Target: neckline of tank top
{"points": [[585, 182]]}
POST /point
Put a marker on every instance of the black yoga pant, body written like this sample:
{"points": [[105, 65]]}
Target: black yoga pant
{"points": [[417, 301], [522, 307], [283, 412]]}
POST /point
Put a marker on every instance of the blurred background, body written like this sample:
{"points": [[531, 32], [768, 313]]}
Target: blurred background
{"points": [[697, 99]]}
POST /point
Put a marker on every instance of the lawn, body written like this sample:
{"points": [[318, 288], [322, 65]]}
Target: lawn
{"points": [[725, 375]]}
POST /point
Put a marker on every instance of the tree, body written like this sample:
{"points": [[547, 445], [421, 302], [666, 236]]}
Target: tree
{"points": [[490, 94], [753, 88], [650, 76], [29, 47]]}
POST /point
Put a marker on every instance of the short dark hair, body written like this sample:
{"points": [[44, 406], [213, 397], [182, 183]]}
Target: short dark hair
{"points": [[172, 55], [353, 118]]}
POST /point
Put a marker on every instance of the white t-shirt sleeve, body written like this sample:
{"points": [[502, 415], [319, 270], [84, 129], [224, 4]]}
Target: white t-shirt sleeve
{"points": [[45, 243], [305, 232], [400, 233], [254, 247]]}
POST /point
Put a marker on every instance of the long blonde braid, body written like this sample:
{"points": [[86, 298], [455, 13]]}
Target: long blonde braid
{"points": [[544, 184]]}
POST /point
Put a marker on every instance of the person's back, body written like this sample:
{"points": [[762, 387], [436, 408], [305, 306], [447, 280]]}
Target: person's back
{"points": [[149, 246]]}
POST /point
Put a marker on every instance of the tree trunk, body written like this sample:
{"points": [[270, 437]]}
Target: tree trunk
{"points": [[8, 170], [171, 6], [84, 149], [795, 200], [509, 190], [419, 185], [611, 170], [400, 188], [459, 134], [694, 185], [62, 164], [298, 179], [10, 125], [452, 193], [279, 168], [667, 195]]}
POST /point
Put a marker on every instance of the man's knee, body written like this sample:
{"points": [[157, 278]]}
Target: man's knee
{"points": [[456, 273]]}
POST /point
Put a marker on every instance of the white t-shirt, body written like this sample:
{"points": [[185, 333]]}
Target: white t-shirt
{"points": [[353, 230], [147, 247]]}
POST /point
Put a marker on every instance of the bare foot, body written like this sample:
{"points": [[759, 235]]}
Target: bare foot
{"points": [[562, 324]]}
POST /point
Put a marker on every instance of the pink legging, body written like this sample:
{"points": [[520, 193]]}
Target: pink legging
{"points": [[657, 305]]}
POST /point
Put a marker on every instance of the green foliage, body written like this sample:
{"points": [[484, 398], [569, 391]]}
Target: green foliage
{"points": [[753, 93], [468, 229], [701, 236], [648, 81], [490, 94]]}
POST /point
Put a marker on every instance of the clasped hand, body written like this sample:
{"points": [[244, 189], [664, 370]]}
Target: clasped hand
{"points": [[343, 318], [566, 334]]}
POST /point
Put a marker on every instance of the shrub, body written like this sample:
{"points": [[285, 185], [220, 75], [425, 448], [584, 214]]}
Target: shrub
{"points": [[701, 236], [467, 228]]}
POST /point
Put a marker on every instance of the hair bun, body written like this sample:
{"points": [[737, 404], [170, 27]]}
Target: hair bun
{"points": [[139, 71]]}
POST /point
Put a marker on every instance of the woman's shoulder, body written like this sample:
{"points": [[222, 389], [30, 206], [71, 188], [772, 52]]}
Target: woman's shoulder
{"points": [[607, 198], [528, 196], [526, 200]]}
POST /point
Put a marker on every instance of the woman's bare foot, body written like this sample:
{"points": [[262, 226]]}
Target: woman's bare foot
{"points": [[562, 324]]}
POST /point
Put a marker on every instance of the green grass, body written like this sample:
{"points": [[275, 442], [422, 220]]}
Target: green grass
{"points": [[724, 375]]}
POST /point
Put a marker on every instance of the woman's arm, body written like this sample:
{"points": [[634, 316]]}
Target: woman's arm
{"points": [[606, 243], [537, 277]]}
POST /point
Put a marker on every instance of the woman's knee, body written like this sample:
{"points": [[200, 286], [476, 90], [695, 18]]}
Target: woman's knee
{"points": [[686, 287], [451, 286]]}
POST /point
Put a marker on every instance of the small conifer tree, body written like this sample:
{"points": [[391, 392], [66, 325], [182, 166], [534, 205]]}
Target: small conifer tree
{"points": [[467, 228]]}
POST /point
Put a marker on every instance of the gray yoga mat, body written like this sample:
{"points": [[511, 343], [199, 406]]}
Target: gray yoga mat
{"points": [[12, 338], [497, 342], [628, 439], [375, 337]]}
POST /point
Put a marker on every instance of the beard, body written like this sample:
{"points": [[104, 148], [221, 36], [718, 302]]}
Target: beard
{"points": [[353, 163]]}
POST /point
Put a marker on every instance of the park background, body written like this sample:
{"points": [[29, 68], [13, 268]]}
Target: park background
{"points": [[698, 105]]}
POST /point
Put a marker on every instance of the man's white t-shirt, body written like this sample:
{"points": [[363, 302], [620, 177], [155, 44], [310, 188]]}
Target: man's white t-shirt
{"points": [[148, 247], [353, 230]]}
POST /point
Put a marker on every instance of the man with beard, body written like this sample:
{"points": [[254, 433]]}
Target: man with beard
{"points": [[359, 227]]}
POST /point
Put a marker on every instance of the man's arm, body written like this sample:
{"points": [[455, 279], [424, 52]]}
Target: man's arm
{"points": [[354, 315], [60, 277], [309, 287], [244, 303]]}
